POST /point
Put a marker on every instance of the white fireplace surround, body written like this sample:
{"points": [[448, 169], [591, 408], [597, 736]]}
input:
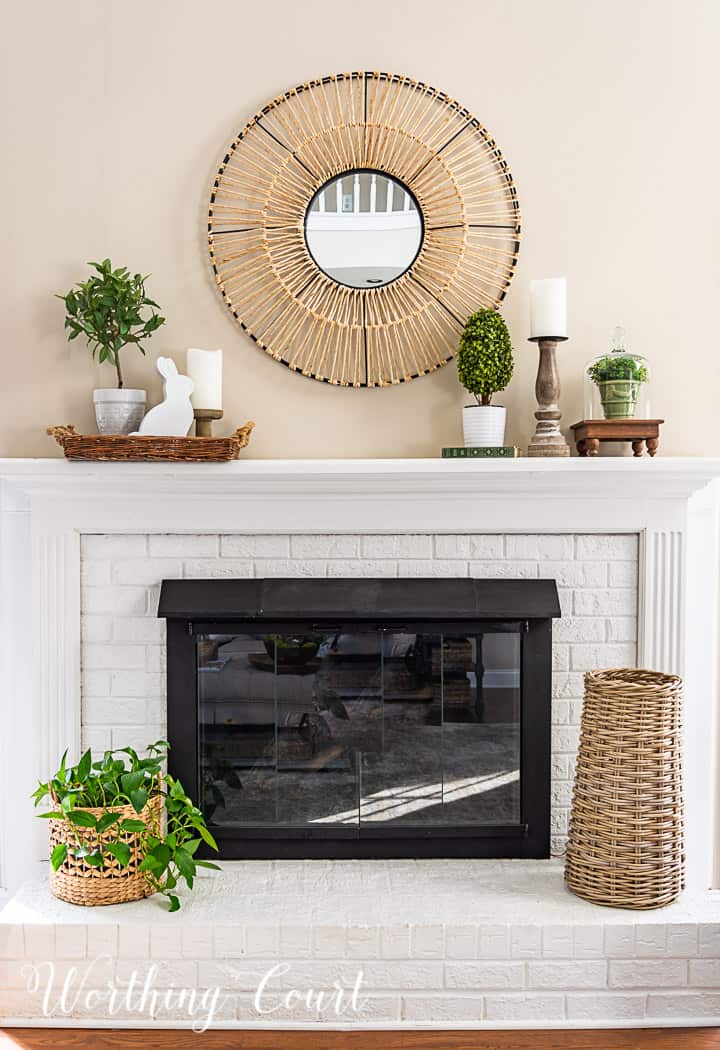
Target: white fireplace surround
{"points": [[46, 506]]}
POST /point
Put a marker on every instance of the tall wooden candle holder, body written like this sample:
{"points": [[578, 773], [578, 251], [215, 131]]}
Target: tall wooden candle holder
{"points": [[548, 439], [204, 418]]}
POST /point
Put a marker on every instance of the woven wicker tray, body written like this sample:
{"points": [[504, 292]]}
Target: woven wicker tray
{"points": [[123, 448]]}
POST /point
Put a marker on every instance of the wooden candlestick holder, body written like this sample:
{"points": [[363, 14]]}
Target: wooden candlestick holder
{"points": [[548, 439], [204, 420]]}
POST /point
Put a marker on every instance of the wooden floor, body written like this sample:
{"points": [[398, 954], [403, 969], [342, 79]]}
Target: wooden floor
{"points": [[613, 1039]]}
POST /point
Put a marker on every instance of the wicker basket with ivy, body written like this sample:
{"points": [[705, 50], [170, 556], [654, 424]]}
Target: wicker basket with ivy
{"points": [[120, 830]]}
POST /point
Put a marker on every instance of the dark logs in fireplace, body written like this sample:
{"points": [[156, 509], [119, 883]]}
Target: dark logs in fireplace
{"points": [[364, 718]]}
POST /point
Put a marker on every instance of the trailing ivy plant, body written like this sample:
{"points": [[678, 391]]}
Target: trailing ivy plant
{"points": [[484, 358], [618, 366], [122, 778], [112, 311]]}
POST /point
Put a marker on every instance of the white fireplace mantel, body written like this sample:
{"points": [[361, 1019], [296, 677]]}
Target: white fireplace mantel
{"points": [[46, 506]]}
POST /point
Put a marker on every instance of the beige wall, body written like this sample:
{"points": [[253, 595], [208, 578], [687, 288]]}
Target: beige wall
{"points": [[114, 115]]}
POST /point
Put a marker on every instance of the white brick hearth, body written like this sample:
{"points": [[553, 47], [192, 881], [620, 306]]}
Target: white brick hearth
{"points": [[123, 682], [633, 546]]}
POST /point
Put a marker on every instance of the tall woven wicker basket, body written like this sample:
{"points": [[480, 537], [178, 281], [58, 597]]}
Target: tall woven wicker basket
{"points": [[78, 883], [625, 846]]}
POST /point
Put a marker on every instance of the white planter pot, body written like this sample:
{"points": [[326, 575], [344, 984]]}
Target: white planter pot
{"points": [[484, 425], [119, 411]]}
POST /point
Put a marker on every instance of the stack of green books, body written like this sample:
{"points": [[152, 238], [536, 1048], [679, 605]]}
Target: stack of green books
{"points": [[481, 452]]}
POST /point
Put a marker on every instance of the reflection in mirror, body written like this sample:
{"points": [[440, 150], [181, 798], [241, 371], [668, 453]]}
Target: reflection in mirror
{"points": [[363, 229]]}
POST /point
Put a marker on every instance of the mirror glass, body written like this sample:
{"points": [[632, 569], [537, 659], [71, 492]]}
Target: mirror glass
{"points": [[363, 229]]}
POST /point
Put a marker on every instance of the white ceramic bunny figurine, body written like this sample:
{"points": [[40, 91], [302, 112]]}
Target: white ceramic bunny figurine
{"points": [[173, 417]]}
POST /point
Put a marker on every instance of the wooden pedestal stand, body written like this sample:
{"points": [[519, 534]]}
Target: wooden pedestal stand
{"points": [[641, 432], [548, 439], [204, 420]]}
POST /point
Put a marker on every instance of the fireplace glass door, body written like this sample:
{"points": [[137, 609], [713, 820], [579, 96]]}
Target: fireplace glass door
{"points": [[359, 732]]}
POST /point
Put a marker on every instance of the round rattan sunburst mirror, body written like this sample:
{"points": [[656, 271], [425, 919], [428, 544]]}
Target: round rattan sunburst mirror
{"points": [[358, 160]]}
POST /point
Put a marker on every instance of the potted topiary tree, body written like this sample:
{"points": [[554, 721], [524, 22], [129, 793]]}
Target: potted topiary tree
{"points": [[618, 377], [112, 311], [485, 366]]}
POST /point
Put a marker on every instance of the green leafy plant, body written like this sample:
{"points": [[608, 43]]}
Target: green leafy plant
{"points": [[119, 779], [618, 366], [110, 310], [484, 358]]}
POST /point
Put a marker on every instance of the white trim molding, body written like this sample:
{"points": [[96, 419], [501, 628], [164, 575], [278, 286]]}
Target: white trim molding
{"points": [[46, 505]]}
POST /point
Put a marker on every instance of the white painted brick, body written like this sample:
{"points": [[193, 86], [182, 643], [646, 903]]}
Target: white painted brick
{"points": [[155, 659], [363, 942], [95, 683], [225, 1011], [118, 601], [565, 739], [503, 570], [429, 567], [12, 945], [526, 942], [395, 942], [111, 548], [229, 942], [621, 629], [479, 976], [608, 1007], [397, 546], [710, 940], [565, 597], [704, 973], [240, 974], [576, 573], [138, 736], [121, 711], [136, 683], [70, 941], [258, 546], [166, 942], [113, 657], [560, 712], [461, 942], [560, 767], [561, 657], [365, 567], [329, 942], [647, 973], [540, 548], [579, 629], [587, 942], [607, 548], [197, 942], [97, 738], [95, 573], [623, 574], [494, 942], [176, 545], [218, 568], [524, 1007], [133, 942], [557, 942], [413, 973], [280, 568], [682, 939], [295, 942], [567, 686], [651, 940], [147, 571], [165, 973], [575, 974], [619, 601], [593, 657], [684, 1007], [261, 940], [478, 548], [451, 1008], [559, 821], [337, 546], [427, 942], [561, 795], [147, 629], [96, 628]]}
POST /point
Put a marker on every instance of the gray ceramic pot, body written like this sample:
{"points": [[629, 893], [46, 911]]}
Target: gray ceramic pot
{"points": [[119, 411]]}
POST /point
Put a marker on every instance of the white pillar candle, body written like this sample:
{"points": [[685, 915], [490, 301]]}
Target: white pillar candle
{"points": [[205, 369], [548, 308]]}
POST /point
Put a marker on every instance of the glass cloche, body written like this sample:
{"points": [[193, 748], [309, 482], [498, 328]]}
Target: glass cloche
{"points": [[617, 384]]}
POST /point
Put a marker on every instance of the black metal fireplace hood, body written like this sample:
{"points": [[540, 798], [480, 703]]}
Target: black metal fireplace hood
{"points": [[375, 601]]}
